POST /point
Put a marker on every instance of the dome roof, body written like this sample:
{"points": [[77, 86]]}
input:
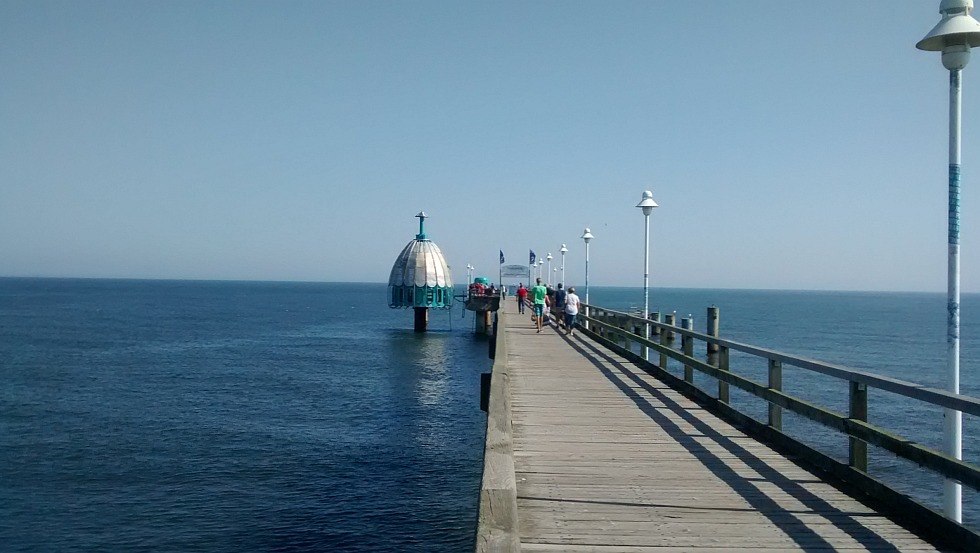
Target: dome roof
{"points": [[421, 263]]}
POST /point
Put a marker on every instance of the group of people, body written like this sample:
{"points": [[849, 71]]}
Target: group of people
{"points": [[480, 289], [564, 305]]}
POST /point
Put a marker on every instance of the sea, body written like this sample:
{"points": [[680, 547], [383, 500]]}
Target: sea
{"points": [[142, 415], [234, 416]]}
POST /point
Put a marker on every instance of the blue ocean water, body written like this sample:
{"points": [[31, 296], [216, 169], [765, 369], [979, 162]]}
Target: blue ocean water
{"points": [[233, 416], [901, 335]]}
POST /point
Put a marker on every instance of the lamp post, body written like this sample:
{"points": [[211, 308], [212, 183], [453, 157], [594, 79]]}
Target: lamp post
{"points": [[646, 204], [563, 251], [955, 34], [587, 237], [540, 267], [469, 274], [549, 258]]}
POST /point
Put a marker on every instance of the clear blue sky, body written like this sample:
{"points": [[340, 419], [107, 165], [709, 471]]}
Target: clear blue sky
{"points": [[791, 145]]}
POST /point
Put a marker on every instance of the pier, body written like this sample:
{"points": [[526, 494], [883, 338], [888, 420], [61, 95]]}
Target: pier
{"points": [[591, 448]]}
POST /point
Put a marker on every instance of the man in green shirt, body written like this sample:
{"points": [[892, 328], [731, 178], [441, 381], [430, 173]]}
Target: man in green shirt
{"points": [[539, 295]]}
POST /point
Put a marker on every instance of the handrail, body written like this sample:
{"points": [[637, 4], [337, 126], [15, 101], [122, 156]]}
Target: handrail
{"points": [[497, 523], [854, 425], [935, 396]]}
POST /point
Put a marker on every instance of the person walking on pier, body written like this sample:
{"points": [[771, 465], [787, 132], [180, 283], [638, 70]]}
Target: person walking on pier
{"points": [[521, 298], [539, 295], [572, 304], [559, 303]]}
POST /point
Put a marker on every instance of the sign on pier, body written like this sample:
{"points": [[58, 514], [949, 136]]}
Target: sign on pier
{"points": [[514, 271]]}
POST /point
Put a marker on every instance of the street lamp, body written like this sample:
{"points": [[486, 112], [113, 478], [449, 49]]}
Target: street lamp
{"points": [[955, 34], [587, 237], [549, 258], [469, 274], [646, 204], [563, 251], [540, 267]]}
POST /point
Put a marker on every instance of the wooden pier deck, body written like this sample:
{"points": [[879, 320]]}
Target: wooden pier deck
{"points": [[607, 458]]}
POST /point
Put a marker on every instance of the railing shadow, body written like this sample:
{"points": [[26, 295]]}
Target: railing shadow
{"points": [[783, 518]]}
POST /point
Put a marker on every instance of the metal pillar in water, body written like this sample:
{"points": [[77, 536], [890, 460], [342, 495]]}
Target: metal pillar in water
{"points": [[421, 319]]}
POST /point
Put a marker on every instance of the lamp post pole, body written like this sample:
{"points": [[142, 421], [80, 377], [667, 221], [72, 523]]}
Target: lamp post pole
{"points": [[646, 204], [955, 34], [563, 251], [549, 258], [587, 237]]}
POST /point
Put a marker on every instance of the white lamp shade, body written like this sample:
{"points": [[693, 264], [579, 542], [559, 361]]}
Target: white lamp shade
{"points": [[956, 27], [647, 204]]}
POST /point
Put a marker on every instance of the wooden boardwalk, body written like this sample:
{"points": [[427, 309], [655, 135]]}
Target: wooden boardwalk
{"points": [[607, 458]]}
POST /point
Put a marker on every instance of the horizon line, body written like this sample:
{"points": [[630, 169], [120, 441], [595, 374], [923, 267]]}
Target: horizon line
{"points": [[298, 281]]}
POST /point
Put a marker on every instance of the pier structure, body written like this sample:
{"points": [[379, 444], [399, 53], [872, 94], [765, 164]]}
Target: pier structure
{"points": [[482, 302], [591, 448]]}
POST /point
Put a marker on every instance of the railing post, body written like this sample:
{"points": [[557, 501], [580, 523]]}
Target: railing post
{"points": [[775, 383], [639, 330], [857, 450], [656, 334], [712, 330], [667, 338], [687, 345], [627, 340], [723, 365]]}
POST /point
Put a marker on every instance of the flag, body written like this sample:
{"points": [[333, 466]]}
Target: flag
{"points": [[533, 258], [501, 257]]}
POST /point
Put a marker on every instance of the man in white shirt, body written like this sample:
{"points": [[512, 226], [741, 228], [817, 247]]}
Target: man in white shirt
{"points": [[571, 310]]}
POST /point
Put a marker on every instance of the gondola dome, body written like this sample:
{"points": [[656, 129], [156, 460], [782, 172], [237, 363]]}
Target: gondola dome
{"points": [[420, 276]]}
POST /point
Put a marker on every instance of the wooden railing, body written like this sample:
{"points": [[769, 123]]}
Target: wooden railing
{"points": [[618, 328], [497, 527]]}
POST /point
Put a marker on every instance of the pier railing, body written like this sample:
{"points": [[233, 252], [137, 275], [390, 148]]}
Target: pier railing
{"points": [[624, 332], [497, 526]]}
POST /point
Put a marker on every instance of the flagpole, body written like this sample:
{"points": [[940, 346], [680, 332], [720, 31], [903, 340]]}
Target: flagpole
{"points": [[531, 259], [500, 271]]}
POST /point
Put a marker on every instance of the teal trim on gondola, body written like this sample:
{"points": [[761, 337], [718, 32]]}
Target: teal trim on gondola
{"points": [[435, 297]]}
